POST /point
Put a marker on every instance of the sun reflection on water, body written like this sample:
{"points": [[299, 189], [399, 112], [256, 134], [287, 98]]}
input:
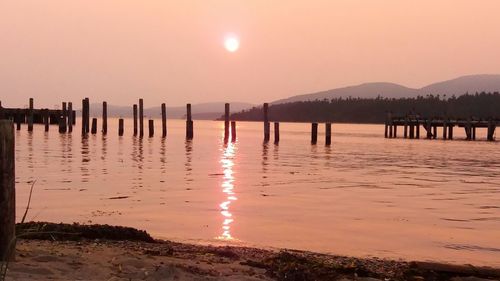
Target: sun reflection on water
{"points": [[228, 153]]}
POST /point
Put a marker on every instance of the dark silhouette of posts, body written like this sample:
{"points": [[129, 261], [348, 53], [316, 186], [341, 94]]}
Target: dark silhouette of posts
{"points": [[63, 120], [276, 132], [30, 116], [94, 126], [104, 118], [189, 123], [491, 130], [46, 119], [85, 116], [70, 117], [450, 132], [151, 127], [141, 118], [164, 120], [405, 129], [429, 129], [314, 133], [120, 127], [473, 132], [1, 111], [18, 120], [233, 131], [135, 119], [267, 126], [445, 130], [226, 122], [328, 134], [395, 130], [412, 131], [417, 127], [7, 191]]}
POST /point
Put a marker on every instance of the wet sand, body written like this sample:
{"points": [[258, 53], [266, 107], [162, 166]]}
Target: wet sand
{"points": [[73, 257]]}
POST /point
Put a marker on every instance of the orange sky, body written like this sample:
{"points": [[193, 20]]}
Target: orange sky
{"points": [[172, 51]]}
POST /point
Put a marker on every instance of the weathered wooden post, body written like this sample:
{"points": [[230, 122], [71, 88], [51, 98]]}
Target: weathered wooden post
{"points": [[7, 191], [418, 129], [61, 123], [429, 128], [1, 111], [405, 129], [18, 119], [386, 129], [46, 119], [434, 131], [94, 126], [30, 116], [314, 133], [104, 118], [445, 129], [226, 122], [267, 125], [473, 132], [491, 130], [328, 134], [276, 132], [84, 130], [70, 117], [450, 131], [151, 127], [135, 119], [120, 127], [141, 118], [87, 115], [395, 130], [412, 130], [164, 120], [468, 129], [64, 114], [233, 131], [189, 123]]}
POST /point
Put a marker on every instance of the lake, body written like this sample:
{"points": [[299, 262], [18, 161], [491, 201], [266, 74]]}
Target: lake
{"points": [[362, 196]]}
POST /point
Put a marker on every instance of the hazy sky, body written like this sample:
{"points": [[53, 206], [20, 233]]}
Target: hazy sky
{"points": [[172, 51]]}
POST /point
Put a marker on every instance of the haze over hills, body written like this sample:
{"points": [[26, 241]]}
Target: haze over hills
{"points": [[458, 86]]}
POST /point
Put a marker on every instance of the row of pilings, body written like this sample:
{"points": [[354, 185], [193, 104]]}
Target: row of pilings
{"points": [[66, 119]]}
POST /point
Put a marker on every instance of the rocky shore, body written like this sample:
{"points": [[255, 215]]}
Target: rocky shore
{"points": [[47, 251]]}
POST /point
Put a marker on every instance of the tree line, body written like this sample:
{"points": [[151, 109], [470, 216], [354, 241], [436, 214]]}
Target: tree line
{"points": [[374, 110]]}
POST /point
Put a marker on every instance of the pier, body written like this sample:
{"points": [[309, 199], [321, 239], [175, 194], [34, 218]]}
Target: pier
{"points": [[411, 125]]}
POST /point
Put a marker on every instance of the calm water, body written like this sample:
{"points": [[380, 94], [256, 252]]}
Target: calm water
{"points": [[363, 196]]}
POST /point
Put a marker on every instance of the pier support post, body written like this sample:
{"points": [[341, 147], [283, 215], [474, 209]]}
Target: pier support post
{"points": [[87, 115], [141, 118], [328, 134], [429, 129], [405, 129], [135, 120], [450, 132], [70, 117], [276, 132], [18, 120], [395, 130], [151, 128], [83, 118], [1, 111], [30, 116], [314, 133], [163, 120], [468, 130], [434, 132], [386, 129], [62, 123], [491, 130], [189, 123], [267, 126], [120, 127], [233, 131], [46, 119], [412, 131], [7, 191], [226, 122], [473, 132], [104, 118], [445, 129], [94, 126], [64, 116], [417, 127]]}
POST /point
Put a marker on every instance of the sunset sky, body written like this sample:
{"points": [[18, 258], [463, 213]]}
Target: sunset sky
{"points": [[173, 51]]}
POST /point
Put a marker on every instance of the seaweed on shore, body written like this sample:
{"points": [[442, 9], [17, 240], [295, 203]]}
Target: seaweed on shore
{"points": [[76, 231]]}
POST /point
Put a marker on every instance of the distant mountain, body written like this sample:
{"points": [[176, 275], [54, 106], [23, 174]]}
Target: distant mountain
{"points": [[202, 111], [458, 86]]}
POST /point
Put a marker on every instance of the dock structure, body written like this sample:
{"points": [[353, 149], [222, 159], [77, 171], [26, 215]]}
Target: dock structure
{"points": [[411, 126], [39, 116]]}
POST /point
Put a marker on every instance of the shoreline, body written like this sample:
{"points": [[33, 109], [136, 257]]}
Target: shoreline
{"points": [[103, 252]]}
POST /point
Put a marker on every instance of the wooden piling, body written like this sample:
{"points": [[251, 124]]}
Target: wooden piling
{"points": [[405, 129], [62, 123], [267, 126], [233, 131], [417, 128], [189, 123], [18, 120], [94, 126], [1, 111], [226, 122], [151, 128], [468, 130], [434, 131], [120, 127], [84, 130], [450, 132], [445, 130], [412, 131], [70, 117], [141, 118], [391, 131], [276, 132], [46, 119], [491, 130], [104, 118], [30, 116], [473, 132], [328, 134], [164, 120], [386, 129], [87, 115], [135, 119], [429, 128], [7, 191], [314, 133], [395, 130]]}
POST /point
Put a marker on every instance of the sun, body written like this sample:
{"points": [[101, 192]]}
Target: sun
{"points": [[231, 43]]}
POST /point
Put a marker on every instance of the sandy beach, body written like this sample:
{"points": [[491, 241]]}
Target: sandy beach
{"points": [[66, 252]]}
